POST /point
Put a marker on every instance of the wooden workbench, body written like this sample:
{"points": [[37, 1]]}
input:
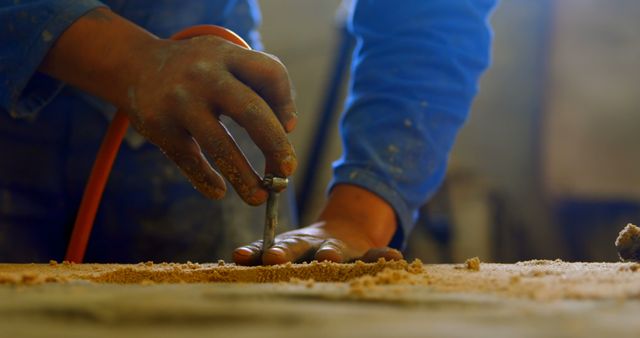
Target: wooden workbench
{"points": [[528, 299]]}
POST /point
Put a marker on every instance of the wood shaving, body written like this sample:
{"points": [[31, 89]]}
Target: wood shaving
{"points": [[473, 264], [628, 243]]}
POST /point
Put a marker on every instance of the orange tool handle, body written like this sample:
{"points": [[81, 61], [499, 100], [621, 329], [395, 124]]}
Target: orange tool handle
{"points": [[109, 149]]}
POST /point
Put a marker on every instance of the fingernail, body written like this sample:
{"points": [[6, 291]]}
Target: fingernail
{"points": [[258, 196], [244, 251], [276, 252], [290, 125], [329, 255], [245, 256], [288, 165], [219, 192], [274, 256]]}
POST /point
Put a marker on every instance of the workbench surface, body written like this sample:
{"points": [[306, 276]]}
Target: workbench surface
{"points": [[384, 299]]}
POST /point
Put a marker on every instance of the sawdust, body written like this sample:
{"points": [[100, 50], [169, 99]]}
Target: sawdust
{"points": [[628, 243], [539, 262], [220, 272], [473, 264], [229, 273], [544, 280], [365, 286], [308, 283], [30, 278]]}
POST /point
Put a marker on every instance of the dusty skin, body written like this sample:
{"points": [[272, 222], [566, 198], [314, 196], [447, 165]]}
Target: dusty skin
{"points": [[537, 279]]}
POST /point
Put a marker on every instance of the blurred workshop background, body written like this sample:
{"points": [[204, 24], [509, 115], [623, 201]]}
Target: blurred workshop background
{"points": [[548, 165]]}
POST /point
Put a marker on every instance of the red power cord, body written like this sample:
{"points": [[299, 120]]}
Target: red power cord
{"points": [[109, 149]]}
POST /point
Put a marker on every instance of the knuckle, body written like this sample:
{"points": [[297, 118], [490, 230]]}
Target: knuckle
{"points": [[223, 85], [150, 126], [253, 109], [207, 41], [275, 60], [278, 72], [334, 244], [203, 69], [178, 96], [154, 123], [273, 67], [290, 241], [189, 162]]}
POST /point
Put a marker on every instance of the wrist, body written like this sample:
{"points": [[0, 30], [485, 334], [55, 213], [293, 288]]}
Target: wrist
{"points": [[102, 54], [362, 210], [129, 68]]}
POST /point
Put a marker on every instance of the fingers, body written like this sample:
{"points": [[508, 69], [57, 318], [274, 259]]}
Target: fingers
{"points": [[250, 111], [185, 152], [292, 249], [376, 253], [267, 76], [229, 159], [332, 250], [295, 249], [248, 255]]}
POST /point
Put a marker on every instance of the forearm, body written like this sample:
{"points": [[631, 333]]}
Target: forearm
{"points": [[415, 75], [29, 30], [101, 53], [174, 91]]}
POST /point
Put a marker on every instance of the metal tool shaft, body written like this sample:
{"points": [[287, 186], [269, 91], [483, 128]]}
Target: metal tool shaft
{"points": [[271, 221], [274, 185]]}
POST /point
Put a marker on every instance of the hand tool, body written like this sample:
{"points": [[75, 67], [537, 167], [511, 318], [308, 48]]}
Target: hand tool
{"points": [[109, 149], [274, 185]]}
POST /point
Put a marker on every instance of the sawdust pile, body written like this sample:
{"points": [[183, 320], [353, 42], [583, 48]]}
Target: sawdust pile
{"points": [[545, 280], [151, 273], [414, 275], [196, 273], [628, 243]]}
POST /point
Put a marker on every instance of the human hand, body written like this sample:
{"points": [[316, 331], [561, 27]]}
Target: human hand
{"points": [[355, 224], [179, 96], [175, 91]]}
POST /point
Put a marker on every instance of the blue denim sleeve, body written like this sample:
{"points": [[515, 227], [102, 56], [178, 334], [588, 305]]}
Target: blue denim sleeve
{"points": [[415, 72], [28, 29]]}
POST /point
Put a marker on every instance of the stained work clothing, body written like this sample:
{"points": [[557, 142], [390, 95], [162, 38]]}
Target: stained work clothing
{"points": [[414, 74], [49, 136]]}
